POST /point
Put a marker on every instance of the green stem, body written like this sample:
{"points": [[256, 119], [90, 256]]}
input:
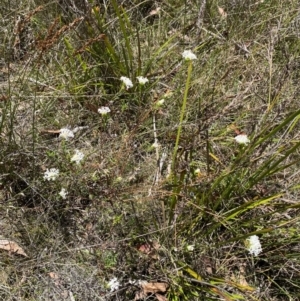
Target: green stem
{"points": [[182, 113], [176, 189]]}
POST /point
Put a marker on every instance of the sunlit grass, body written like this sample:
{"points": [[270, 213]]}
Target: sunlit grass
{"points": [[122, 162]]}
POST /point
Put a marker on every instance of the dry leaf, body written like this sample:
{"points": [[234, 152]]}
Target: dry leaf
{"points": [[145, 248], [154, 287], [3, 98], [207, 263], [11, 247], [56, 279], [239, 281], [53, 275], [160, 297], [91, 107], [150, 249], [222, 12]]}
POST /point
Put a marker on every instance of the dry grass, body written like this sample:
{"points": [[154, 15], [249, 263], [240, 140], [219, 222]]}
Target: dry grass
{"points": [[122, 216]]}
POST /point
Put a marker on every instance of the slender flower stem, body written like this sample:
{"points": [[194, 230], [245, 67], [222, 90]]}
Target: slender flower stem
{"points": [[187, 86], [173, 173]]}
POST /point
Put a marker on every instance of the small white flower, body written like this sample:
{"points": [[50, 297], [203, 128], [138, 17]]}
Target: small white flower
{"points": [[142, 80], [188, 55], [51, 174], [197, 172], [63, 193], [160, 103], [155, 145], [103, 110], [66, 134], [190, 248], [77, 157], [113, 284], [253, 245], [127, 81], [242, 139], [119, 179]]}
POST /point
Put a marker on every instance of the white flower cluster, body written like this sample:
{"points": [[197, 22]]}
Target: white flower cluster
{"points": [[190, 248], [113, 284], [253, 245], [104, 110], [155, 145], [66, 134], [78, 156], [63, 193], [142, 80], [242, 139], [51, 174], [197, 172], [159, 103], [188, 55], [127, 82]]}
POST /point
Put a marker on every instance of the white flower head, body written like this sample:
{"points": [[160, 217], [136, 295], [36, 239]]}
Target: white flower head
{"points": [[66, 134], [103, 110], [190, 248], [63, 193], [51, 174], [188, 55], [127, 81], [253, 245], [155, 145], [142, 80], [78, 156], [113, 284], [119, 179], [160, 103], [197, 172], [242, 139]]}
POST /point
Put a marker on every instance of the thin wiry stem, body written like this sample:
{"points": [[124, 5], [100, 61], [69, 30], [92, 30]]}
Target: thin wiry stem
{"points": [[182, 114]]}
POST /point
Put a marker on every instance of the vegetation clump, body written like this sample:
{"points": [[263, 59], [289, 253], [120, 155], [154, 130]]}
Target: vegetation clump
{"points": [[149, 150]]}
